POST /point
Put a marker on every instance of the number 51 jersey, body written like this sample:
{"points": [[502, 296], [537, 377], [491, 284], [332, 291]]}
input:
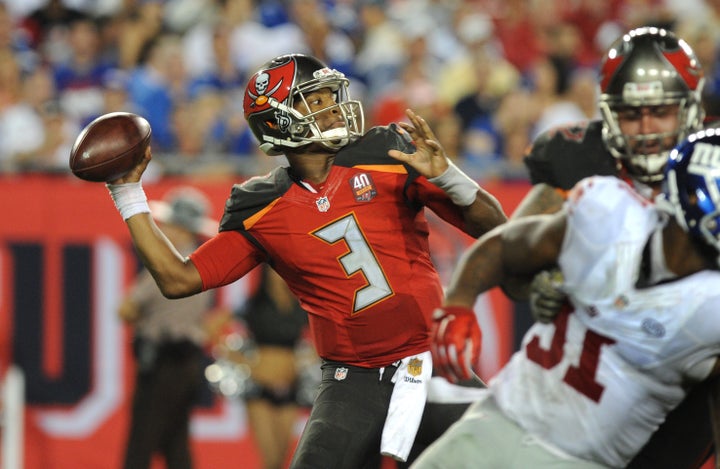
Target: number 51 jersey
{"points": [[600, 379], [354, 250]]}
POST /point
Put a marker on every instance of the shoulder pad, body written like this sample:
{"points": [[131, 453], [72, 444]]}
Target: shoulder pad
{"points": [[372, 148], [249, 197], [562, 156], [602, 206]]}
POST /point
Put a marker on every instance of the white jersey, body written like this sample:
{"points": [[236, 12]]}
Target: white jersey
{"points": [[598, 381]]}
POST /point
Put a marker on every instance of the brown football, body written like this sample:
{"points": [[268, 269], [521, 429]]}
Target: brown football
{"points": [[110, 146]]}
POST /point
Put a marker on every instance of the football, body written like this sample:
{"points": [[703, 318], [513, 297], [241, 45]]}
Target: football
{"points": [[110, 146]]}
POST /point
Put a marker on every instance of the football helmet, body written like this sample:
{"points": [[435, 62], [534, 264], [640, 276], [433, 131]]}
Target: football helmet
{"points": [[692, 186], [272, 92], [648, 67]]}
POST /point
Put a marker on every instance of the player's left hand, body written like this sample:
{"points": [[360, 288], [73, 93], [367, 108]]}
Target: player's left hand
{"points": [[456, 341], [429, 158], [546, 297]]}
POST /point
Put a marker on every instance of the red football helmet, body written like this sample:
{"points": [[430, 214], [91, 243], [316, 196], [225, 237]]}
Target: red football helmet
{"points": [[648, 67], [272, 91]]}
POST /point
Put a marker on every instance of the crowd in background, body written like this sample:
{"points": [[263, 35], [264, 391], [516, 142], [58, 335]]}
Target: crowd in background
{"points": [[488, 75]]}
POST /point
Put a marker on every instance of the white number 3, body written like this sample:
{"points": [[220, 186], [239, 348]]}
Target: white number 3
{"points": [[360, 258]]}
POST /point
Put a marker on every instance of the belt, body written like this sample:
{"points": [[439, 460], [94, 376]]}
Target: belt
{"points": [[341, 371]]}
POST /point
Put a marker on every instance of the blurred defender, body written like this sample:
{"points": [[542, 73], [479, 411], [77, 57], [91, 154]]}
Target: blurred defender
{"points": [[588, 389]]}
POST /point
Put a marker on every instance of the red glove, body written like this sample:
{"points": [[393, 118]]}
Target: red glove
{"points": [[456, 341]]}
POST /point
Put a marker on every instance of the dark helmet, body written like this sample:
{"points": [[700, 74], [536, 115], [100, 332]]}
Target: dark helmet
{"points": [[272, 91], [692, 186], [649, 67]]}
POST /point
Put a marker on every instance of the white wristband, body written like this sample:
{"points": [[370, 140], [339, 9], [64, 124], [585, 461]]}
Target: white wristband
{"points": [[457, 185], [129, 198]]}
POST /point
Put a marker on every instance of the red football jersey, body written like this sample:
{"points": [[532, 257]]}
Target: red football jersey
{"points": [[354, 251]]}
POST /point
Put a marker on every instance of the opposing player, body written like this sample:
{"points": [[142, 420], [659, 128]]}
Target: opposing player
{"points": [[344, 225], [650, 87], [588, 389]]}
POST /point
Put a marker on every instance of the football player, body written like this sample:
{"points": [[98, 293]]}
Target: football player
{"points": [[344, 225], [650, 85], [588, 389]]}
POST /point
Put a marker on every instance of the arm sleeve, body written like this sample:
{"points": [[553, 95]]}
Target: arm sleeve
{"points": [[225, 258], [428, 194]]}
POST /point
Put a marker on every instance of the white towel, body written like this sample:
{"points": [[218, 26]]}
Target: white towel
{"points": [[406, 405], [442, 391]]}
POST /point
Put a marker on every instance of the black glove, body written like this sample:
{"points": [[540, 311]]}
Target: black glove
{"points": [[546, 297]]}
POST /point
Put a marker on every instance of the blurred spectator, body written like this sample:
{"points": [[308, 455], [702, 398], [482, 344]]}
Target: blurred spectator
{"points": [[207, 45], [79, 77], [329, 44], [198, 122], [467, 73], [481, 101], [158, 85], [140, 26], [704, 38], [48, 27], [435, 20], [482, 137], [20, 127], [275, 328], [516, 30], [637, 13], [181, 15], [554, 95], [381, 53], [252, 41], [114, 95], [188, 56], [414, 87], [168, 344], [16, 40], [589, 17], [34, 132]]}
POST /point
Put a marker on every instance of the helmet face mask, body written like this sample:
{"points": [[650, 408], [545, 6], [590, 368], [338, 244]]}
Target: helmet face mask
{"points": [[692, 187], [649, 68], [278, 90]]}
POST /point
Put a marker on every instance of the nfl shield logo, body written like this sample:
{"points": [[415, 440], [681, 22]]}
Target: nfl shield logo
{"points": [[340, 373], [415, 366], [323, 204]]}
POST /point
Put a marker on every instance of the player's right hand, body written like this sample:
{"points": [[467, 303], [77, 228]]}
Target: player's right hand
{"points": [[546, 297], [456, 341], [135, 174]]}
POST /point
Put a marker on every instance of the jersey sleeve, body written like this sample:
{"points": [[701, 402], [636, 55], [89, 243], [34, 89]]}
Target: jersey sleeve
{"points": [[225, 258], [428, 194], [598, 206], [602, 212]]}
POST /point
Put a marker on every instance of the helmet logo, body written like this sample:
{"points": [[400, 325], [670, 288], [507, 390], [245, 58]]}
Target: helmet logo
{"points": [[262, 81], [705, 157], [325, 72], [686, 65], [639, 91]]}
